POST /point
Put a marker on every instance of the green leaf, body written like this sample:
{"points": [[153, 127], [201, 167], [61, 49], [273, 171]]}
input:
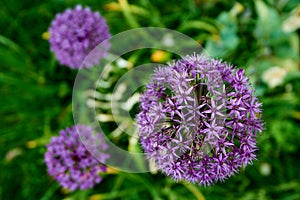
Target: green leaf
{"points": [[197, 24], [228, 40]]}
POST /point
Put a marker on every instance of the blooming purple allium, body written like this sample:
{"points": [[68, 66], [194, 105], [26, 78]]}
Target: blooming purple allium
{"points": [[199, 120], [75, 33], [70, 163]]}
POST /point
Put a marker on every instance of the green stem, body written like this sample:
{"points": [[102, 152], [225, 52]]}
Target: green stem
{"points": [[194, 190], [50, 191], [148, 185], [127, 13]]}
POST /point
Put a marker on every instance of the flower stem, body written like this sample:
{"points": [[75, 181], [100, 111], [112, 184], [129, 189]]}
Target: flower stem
{"points": [[127, 13]]}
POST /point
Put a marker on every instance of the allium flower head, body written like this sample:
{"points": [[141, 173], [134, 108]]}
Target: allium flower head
{"points": [[199, 120], [75, 33], [70, 163]]}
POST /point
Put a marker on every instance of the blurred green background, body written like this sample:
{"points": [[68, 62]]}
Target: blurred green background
{"points": [[260, 36]]}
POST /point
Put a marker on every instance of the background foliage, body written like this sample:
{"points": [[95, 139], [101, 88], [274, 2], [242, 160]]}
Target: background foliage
{"points": [[261, 36]]}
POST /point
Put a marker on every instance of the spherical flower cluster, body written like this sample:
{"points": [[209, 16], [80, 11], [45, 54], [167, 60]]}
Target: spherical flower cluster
{"points": [[75, 33], [70, 163], [199, 120]]}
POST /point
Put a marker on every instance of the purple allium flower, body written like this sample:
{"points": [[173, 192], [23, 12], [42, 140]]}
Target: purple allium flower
{"points": [[199, 120], [70, 163], [75, 33]]}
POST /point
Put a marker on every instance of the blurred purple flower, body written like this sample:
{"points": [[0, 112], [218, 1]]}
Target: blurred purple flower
{"points": [[70, 163], [199, 120], [75, 33]]}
